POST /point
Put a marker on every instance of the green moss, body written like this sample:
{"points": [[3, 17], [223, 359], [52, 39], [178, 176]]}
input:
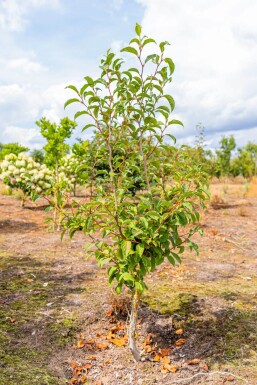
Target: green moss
{"points": [[64, 331], [181, 303], [25, 304]]}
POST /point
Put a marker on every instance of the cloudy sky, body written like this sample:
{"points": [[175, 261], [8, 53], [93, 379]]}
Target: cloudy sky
{"points": [[48, 44]]}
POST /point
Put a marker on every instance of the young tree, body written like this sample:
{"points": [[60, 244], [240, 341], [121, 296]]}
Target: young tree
{"points": [[55, 149], [227, 145], [130, 112]]}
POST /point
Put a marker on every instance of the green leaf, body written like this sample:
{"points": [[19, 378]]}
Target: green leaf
{"points": [[162, 45], [129, 49], [79, 113], [171, 65], [71, 101], [87, 126], [135, 40], [147, 41], [89, 80], [127, 277], [73, 88], [175, 121], [125, 247], [140, 249], [138, 29], [170, 100]]}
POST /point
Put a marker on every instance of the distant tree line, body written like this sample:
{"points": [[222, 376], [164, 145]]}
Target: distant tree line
{"points": [[226, 160]]}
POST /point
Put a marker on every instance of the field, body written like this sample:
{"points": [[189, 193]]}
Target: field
{"points": [[61, 322]]}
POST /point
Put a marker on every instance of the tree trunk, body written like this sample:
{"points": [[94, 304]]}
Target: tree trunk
{"points": [[133, 326]]}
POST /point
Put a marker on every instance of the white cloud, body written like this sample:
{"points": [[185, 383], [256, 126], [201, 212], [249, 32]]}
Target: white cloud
{"points": [[13, 13], [213, 45], [25, 65], [28, 137]]}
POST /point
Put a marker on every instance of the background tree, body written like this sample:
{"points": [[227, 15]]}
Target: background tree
{"points": [[227, 145], [55, 149], [38, 156], [130, 112], [11, 148]]}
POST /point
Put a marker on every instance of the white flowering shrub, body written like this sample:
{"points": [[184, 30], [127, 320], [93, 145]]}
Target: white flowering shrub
{"points": [[23, 173], [71, 167]]}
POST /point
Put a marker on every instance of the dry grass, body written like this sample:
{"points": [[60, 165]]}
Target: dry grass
{"points": [[252, 188]]}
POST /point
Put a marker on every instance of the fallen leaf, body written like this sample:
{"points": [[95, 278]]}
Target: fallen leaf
{"points": [[164, 352], [118, 341], [230, 378], [30, 280], [87, 366], [101, 346], [179, 332], [90, 341], [73, 364], [165, 360], [83, 379], [169, 368], [109, 312], [81, 344], [98, 383], [194, 361], [98, 335], [148, 348], [74, 381], [180, 342], [157, 358], [92, 357]]}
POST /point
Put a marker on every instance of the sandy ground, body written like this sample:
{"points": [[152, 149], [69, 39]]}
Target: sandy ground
{"points": [[61, 323]]}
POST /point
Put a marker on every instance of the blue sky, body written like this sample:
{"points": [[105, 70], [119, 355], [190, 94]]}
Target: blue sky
{"points": [[48, 44]]}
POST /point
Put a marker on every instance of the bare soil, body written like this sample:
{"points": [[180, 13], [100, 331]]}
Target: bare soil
{"points": [[60, 321]]}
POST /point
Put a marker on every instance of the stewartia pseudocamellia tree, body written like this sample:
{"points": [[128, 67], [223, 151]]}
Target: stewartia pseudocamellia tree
{"points": [[131, 113]]}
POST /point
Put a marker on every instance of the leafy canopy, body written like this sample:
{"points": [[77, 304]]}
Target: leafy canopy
{"points": [[131, 114]]}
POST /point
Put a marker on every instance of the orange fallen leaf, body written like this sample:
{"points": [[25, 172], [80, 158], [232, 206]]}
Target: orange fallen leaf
{"points": [[82, 336], [81, 344], [98, 335], [92, 357], [109, 312], [164, 352], [74, 381], [165, 360], [30, 280], [148, 348], [157, 358], [179, 332], [180, 342], [118, 341], [87, 366], [194, 361], [169, 368], [230, 378], [101, 345], [73, 364], [83, 379], [90, 341], [98, 383]]}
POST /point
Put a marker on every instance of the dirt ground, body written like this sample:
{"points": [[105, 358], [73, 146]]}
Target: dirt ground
{"points": [[60, 322]]}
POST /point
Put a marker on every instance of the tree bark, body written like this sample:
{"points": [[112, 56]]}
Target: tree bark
{"points": [[133, 326]]}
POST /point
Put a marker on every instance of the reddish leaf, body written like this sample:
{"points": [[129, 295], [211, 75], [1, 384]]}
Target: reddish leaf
{"points": [[194, 361], [164, 352], [180, 342]]}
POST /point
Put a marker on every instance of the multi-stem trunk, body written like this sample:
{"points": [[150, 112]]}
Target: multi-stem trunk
{"points": [[56, 196], [132, 330]]}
